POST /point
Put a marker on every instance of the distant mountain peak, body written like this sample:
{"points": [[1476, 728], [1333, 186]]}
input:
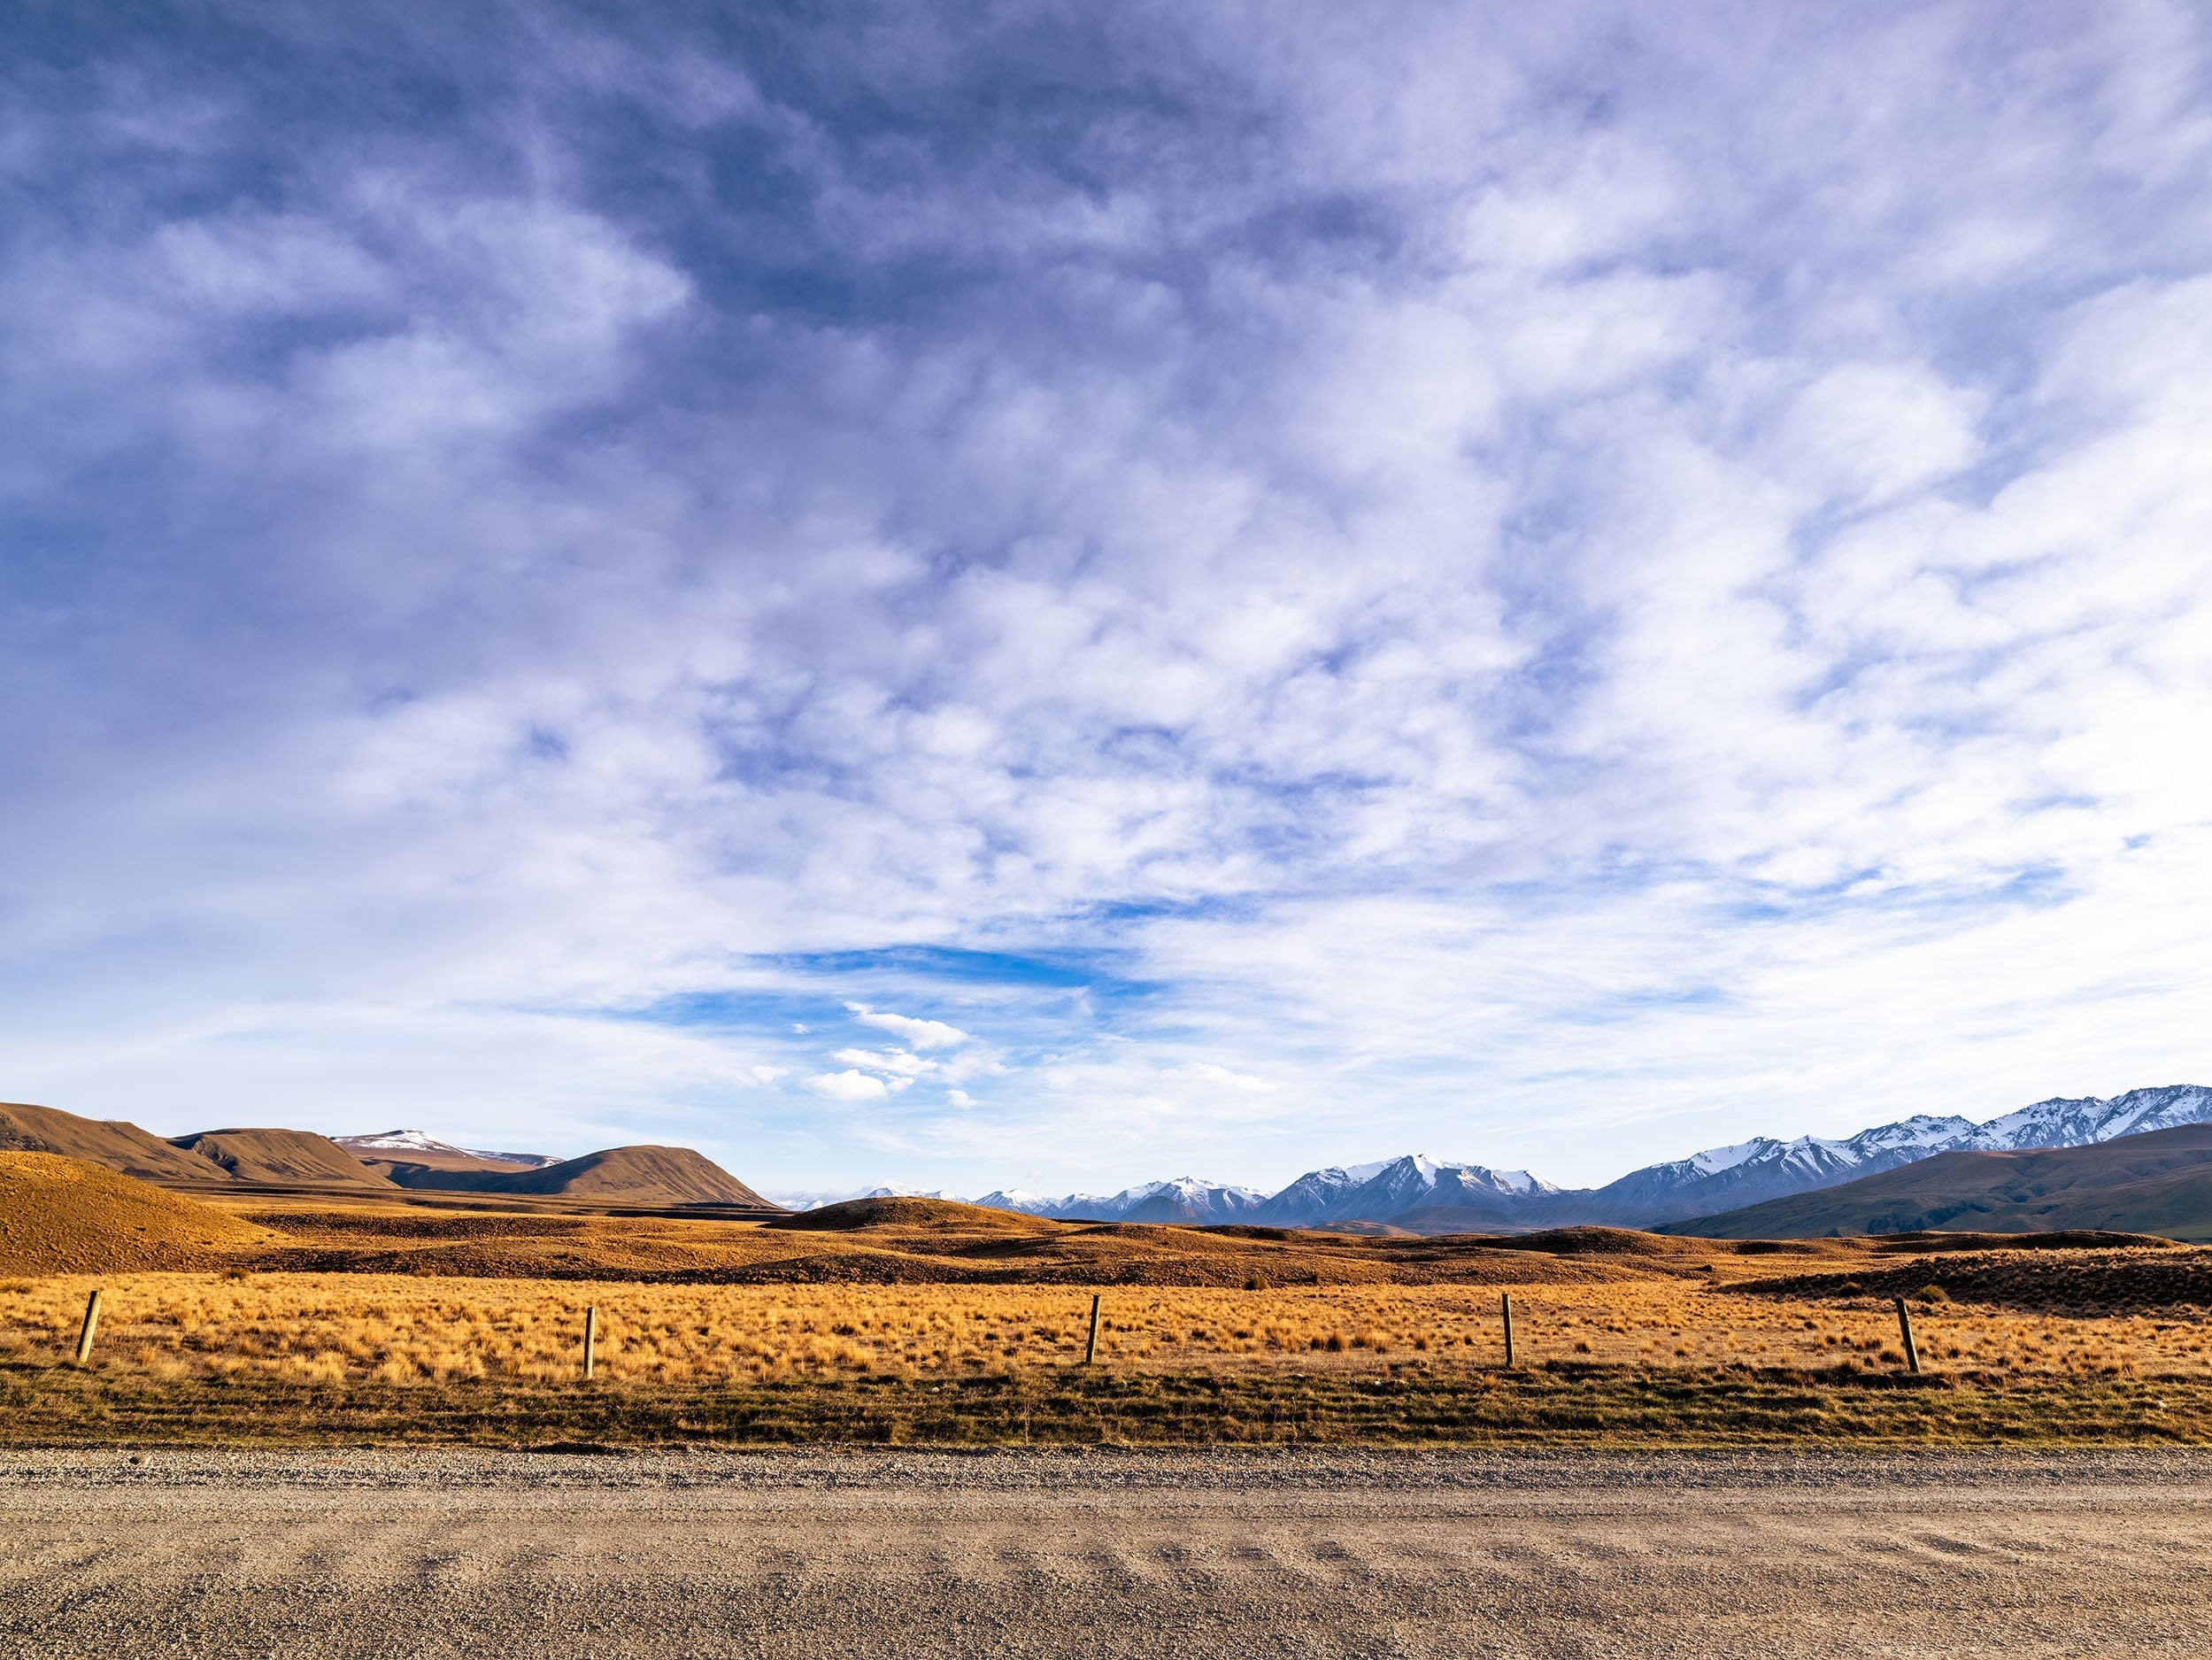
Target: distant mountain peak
{"points": [[1187, 1199], [1713, 1160], [411, 1140], [390, 1141]]}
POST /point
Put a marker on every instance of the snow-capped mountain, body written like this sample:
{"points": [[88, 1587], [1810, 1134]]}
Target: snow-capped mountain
{"points": [[1316, 1194], [1473, 1197], [1043, 1205], [1721, 1178], [1186, 1198], [2059, 1122], [395, 1143], [1724, 1178], [1377, 1191]]}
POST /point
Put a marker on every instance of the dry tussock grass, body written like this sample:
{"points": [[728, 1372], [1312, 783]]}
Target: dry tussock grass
{"points": [[398, 1329]]}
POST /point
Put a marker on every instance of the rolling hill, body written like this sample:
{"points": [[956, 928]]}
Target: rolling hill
{"points": [[283, 1157], [401, 1171], [2159, 1182], [940, 1214], [415, 1147], [118, 1146], [640, 1175], [65, 1215]]}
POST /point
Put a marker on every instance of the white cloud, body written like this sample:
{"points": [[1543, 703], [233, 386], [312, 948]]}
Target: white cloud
{"points": [[896, 1062], [1876, 429], [848, 1086], [923, 1034]]}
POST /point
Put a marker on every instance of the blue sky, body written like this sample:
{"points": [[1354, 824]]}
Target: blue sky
{"points": [[1066, 595]]}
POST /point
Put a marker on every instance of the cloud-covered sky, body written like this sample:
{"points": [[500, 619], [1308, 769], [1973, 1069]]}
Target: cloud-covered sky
{"points": [[1058, 595]]}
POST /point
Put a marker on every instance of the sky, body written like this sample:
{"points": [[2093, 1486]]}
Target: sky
{"points": [[1053, 596]]}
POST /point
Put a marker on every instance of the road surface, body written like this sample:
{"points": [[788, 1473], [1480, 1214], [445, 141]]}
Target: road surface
{"points": [[1106, 1553]]}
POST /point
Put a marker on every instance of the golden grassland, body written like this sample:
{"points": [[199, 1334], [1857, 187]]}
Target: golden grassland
{"points": [[305, 1321], [245, 1356], [405, 1329]]}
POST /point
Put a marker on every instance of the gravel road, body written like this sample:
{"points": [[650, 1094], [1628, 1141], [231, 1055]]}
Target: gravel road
{"points": [[1103, 1552]]}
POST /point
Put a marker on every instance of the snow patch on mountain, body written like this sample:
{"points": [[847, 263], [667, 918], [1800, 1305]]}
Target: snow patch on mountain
{"points": [[1713, 1160], [411, 1140], [423, 1141]]}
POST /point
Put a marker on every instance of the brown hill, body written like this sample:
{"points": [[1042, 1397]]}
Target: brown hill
{"points": [[387, 1164], [1431, 1221], [2159, 1183], [629, 1176], [936, 1215], [280, 1156], [413, 1147], [1592, 1240], [63, 1216], [118, 1146], [918, 1240]]}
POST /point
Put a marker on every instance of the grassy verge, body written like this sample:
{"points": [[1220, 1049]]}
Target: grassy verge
{"points": [[1555, 1405]]}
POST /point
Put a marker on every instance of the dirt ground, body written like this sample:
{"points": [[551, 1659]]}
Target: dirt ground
{"points": [[1104, 1553]]}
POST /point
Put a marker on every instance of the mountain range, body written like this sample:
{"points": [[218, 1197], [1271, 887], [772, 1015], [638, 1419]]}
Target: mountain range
{"points": [[2153, 1181], [1426, 1195], [1185, 1198]]}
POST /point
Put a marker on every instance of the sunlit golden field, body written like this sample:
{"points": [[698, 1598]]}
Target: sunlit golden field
{"points": [[398, 1330], [895, 1320]]}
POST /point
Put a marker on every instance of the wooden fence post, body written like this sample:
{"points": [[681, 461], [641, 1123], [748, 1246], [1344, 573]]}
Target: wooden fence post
{"points": [[1090, 1349], [591, 1337], [1504, 1308], [1905, 1327], [91, 1327]]}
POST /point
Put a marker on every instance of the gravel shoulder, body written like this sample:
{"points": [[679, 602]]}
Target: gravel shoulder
{"points": [[1104, 1552]]}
